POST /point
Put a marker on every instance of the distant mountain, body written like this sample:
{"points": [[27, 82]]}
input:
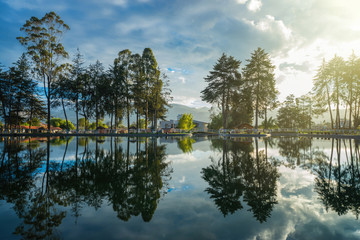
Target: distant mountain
{"points": [[200, 114]]}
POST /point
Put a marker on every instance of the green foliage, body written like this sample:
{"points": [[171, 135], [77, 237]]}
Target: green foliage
{"points": [[216, 121], [141, 124], [34, 122], [83, 123], [42, 41], [100, 124], [55, 122], [61, 123], [185, 144], [260, 82], [291, 114], [186, 122], [269, 124], [223, 81]]}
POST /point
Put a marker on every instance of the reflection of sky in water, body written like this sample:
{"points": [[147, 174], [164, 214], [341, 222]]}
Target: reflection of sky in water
{"points": [[187, 212]]}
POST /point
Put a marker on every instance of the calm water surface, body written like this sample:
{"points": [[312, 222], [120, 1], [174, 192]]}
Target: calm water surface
{"points": [[179, 188]]}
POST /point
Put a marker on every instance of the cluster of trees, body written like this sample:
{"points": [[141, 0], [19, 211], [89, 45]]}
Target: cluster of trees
{"points": [[296, 113], [336, 85], [19, 95], [133, 83], [245, 97], [240, 95]]}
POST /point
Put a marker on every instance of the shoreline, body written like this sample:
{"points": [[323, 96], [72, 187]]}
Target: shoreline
{"points": [[325, 136]]}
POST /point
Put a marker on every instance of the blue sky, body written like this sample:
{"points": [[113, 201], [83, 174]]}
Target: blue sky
{"points": [[187, 37]]}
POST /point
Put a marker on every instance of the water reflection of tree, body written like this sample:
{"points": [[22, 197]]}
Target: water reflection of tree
{"points": [[338, 182], [132, 183], [294, 150], [34, 203], [242, 171], [185, 144]]}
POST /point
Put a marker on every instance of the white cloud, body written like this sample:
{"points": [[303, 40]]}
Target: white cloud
{"points": [[182, 79], [241, 1], [270, 24], [254, 5]]}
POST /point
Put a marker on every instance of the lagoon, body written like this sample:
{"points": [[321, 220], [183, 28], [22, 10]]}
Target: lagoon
{"points": [[179, 188]]}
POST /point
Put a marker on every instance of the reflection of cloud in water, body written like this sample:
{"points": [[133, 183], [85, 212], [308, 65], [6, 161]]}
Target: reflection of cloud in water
{"points": [[195, 156], [301, 215], [181, 158], [294, 179], [182, 188], [182, 180]]}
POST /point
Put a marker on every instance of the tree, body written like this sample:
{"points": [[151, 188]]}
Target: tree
{"points": [[25, 88], [216, 121], [62, 93], [222, 82], [35, 109], [84, 123], [336, 73], [138, 86], [150, 74], [76, 71], [292, 115], [97, 75], [322, 89], [42, 41], [260, 82], [186, 122], [122, 82]]}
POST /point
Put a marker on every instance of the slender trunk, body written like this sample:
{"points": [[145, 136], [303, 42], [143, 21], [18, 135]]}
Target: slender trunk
{"points": [[266, 122], [111, 119], [77, 113], [146, 115], [128, 113], [350, 106], [47, 94], [96, 115], [66, 119], [329, 105], [223, 111], [345, 116]]}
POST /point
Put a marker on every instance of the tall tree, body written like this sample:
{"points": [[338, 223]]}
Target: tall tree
{"points": [[76, 72], [260, 81], [138, 87], [336, 70], [222, 81], [323, 88], [25, 87], [122, 66], [96, 74], [42, 40], [150, 74]]}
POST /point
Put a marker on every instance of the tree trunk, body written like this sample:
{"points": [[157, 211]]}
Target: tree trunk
{"points": [[67, 123], [77, 113], [329, 105], [223, 111], [48, 103], [128, 113]]}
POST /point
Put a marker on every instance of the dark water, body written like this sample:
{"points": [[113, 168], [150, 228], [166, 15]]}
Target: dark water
{"points": [[179, 188]]}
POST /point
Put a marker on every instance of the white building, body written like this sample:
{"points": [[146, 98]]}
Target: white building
{"points": [[199, 125]]}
